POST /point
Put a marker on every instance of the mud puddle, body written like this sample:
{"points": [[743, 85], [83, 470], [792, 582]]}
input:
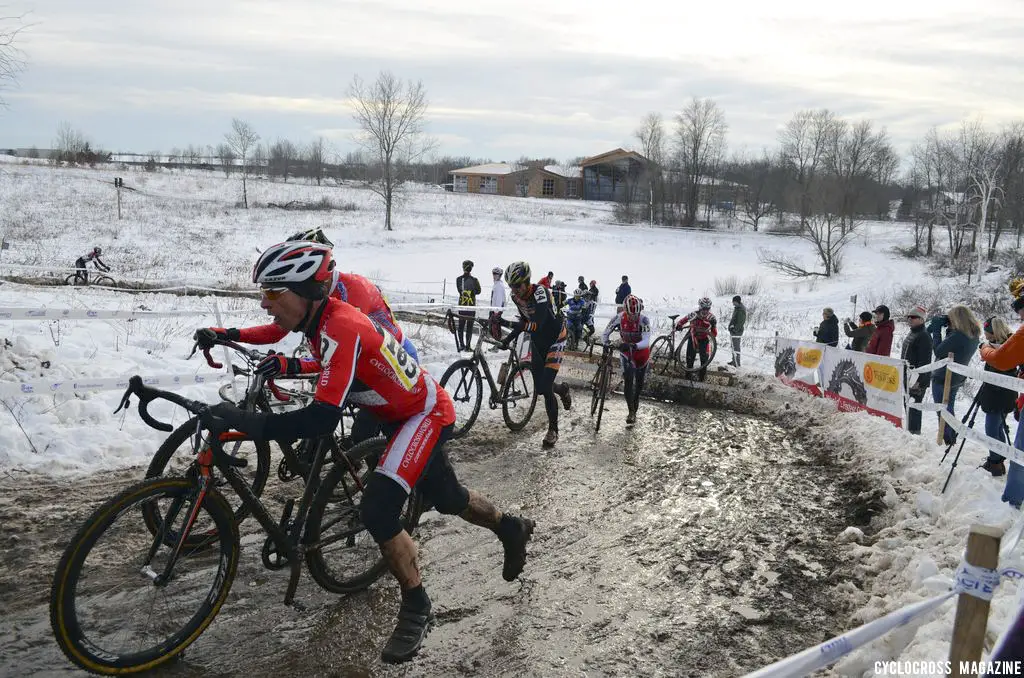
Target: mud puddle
{"points": [[699, 543]]}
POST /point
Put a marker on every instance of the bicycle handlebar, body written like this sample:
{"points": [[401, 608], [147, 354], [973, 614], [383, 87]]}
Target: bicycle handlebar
{"points": [[252, 356], [147, 394]]}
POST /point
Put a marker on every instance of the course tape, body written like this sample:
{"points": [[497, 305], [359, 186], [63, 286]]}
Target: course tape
{"points": [[930, 367], [1008, 451], [829, 652], [81, 384], [89, 314], [1006, 381]]}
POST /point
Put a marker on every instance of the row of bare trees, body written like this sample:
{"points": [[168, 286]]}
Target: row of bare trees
{"points": [[969, 183]]}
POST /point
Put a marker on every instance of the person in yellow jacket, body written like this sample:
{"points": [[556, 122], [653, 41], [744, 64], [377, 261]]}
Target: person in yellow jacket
{"points": [[1004, 357]]}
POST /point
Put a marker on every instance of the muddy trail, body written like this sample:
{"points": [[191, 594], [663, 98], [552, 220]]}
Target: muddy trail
{"points": [[700, 542]]}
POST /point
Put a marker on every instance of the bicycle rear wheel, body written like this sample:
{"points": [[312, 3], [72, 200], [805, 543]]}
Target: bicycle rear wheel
{"points": [[176, 457], [105, 581], [518, 398], [661, 355], [72, 279], [466, 391], [341, 555]]}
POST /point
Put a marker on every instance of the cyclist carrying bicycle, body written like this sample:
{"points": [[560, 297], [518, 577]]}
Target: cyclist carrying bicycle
{"points": [[537, 316], [82, 274], [361, 362], [703, 326], [634, 349]]}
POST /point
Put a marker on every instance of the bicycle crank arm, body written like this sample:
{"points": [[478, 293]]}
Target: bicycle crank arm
{"points": [[293, 582]]}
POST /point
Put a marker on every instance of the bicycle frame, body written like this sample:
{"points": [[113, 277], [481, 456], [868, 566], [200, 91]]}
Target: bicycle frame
{"points": [[287, 535], [512, 362]]}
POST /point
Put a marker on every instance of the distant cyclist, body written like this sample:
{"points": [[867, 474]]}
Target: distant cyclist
{"points": [[579, 314], [634, 350], [82, 275], [703, 326]]}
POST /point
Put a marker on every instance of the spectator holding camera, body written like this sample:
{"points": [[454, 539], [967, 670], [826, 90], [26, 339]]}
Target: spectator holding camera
{"points": [[917, 351], [860, 333], [1004, 357], [962, 334], [828, 330]]}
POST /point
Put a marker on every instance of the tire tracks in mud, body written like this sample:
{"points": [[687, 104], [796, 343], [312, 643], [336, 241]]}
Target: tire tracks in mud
{"points": [[700, 542]]}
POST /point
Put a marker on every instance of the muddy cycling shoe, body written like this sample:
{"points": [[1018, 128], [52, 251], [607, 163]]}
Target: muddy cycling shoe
{"points": [[563, 392], [631, 418], [410, 631], [514, 532], [551, 438]]}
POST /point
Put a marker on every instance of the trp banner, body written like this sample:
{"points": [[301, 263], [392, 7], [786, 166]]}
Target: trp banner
{"points": [[860, 381], [798, 364]]}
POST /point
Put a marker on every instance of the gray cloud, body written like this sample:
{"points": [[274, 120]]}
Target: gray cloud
{"points": [[504, 83]]}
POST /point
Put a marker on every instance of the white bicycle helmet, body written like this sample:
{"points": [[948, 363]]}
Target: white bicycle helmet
{"points": [[704, 303], [299, 265]]}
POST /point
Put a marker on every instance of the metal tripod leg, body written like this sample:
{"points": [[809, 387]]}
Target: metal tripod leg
{"points": [[972, 412]]}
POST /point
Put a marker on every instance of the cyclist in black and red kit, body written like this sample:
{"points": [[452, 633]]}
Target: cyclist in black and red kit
{"points": [[361, 362], [82, 275], [537, 315]]}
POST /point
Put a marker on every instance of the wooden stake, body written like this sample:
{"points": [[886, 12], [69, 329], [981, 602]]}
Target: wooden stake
{"points": [[940, 438], [972, 613]]}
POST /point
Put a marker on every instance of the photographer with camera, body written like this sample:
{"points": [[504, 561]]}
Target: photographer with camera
{"points": [[860, 333], [1011, 354], [917, 351]]}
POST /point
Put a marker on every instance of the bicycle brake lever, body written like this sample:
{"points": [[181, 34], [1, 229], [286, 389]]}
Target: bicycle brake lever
{"points": [[210, 361], [277, 392], [126, 400]]}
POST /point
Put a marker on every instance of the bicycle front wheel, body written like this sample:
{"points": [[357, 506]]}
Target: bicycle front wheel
{"points": [[464, 384], [176, 456], [103, 281], [340, 554], [602, 392], [518, 398], [106, 582]]}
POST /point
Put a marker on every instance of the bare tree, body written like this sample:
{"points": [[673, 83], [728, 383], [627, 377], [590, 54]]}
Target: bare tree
{"points": [[804, 140], [983, 176], [855, 153], [827, 233], [281, 158], [70, 144], [11, 61], [316, 157], [241, 140], [700, 141], [755, 195], [226, 157], [391, 116], [651, 135]]}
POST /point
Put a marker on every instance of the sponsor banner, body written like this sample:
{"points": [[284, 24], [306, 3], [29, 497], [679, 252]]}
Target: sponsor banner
{"points": [[798, 364], [860, 381], [81, 384]]}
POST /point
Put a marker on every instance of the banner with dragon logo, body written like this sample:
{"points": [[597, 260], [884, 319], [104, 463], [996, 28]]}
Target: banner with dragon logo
{"points": [[798, 364], [860, 381]]}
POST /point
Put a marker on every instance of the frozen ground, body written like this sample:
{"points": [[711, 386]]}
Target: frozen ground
{"points": [[184, 228]]}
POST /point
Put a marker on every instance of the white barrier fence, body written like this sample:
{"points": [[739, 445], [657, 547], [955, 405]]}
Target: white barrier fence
{"points": [[85, 384]]}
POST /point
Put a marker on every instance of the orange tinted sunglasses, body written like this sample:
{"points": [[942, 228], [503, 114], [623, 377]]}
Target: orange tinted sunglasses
{"points": [[273, 293]]}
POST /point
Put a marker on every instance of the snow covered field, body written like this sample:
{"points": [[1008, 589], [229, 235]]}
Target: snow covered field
{"points": [[184, 228]]}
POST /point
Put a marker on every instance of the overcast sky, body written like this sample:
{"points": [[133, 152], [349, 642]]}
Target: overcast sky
{"points": [[557, 78]]}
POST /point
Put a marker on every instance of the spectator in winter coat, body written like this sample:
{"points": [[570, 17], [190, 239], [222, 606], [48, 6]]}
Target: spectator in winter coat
{"points": [[828, 330], [558, 296], [996, 402], [736, 324], [622, 291], [961, 340], [881, 341], [917, 351], [860, 333], [1010, 354], [581, 285], [594, 292], [468, 287], [546, 280], [497, 301]]}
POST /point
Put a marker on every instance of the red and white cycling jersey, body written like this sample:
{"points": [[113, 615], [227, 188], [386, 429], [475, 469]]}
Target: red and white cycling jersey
{"points": [[632, 331], [362, 363], [703, 324], [348, 287]]}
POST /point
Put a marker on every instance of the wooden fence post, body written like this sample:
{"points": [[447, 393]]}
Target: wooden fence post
{"points": [[971, 620], [940, 436]]}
